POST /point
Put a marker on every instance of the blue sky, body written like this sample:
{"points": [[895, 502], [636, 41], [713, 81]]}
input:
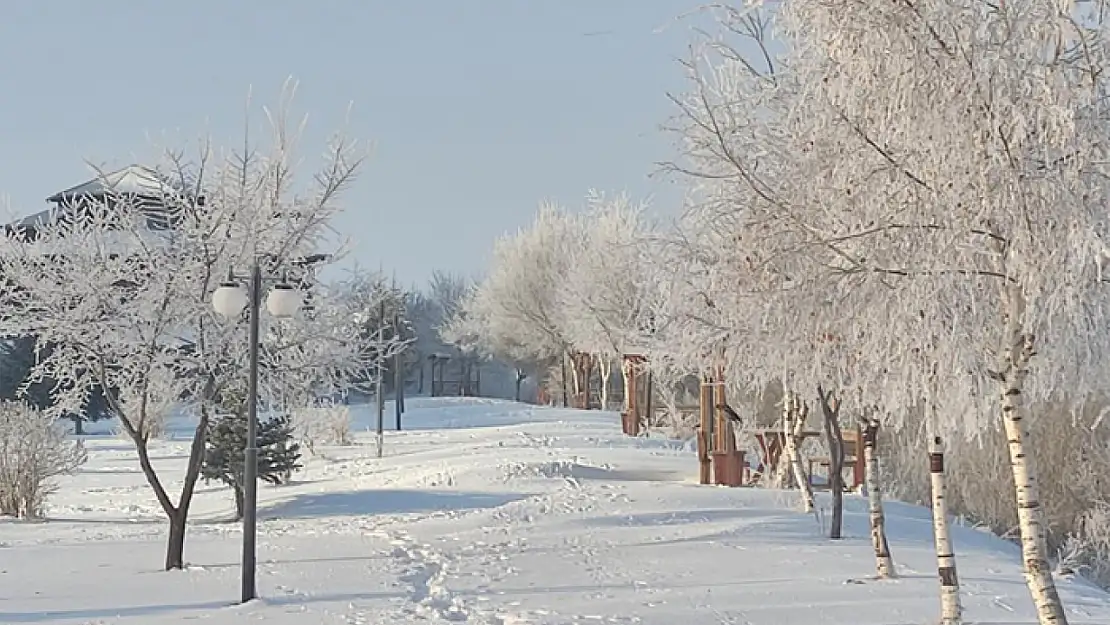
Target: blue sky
{"points": [[477, 109]]}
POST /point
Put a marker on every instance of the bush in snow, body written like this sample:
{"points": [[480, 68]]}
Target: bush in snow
{"points": [[33, 451], [323, 424]]}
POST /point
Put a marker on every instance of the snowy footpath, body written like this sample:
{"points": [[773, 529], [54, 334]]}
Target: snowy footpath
{"points": [[489, 512]]}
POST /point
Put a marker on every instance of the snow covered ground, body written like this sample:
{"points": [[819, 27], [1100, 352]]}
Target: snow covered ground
{"points": [[495, 513]]}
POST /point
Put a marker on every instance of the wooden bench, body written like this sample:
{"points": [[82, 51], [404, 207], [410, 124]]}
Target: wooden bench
{"points": [[853, 459]]}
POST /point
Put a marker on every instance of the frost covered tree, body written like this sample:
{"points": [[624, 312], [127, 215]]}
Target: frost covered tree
{"points": [[746, 276], [515, 314], [733, 295], [121, 287], [472, 332], [936, 189], [972, 211], [608, 281]]}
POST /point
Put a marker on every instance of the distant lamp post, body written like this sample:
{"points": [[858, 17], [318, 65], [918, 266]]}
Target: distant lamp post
{"points": [[229, 300]]}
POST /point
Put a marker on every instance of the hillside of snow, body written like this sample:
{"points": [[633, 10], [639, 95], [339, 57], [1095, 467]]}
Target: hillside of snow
{"points": [[490, 512]]}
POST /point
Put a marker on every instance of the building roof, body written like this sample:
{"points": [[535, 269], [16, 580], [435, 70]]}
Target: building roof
{"points": [[131, 180]]}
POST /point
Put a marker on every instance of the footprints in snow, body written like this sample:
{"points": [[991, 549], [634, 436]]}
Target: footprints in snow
{"points": [[427, 572], [426, 575]]}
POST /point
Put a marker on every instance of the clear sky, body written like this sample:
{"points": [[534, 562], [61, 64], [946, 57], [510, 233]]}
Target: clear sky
{"points": [[477, 109]]}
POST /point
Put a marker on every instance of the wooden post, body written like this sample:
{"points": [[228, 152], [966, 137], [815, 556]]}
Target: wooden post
{"points": [[705, 430], [633, 413], [630, 418]]}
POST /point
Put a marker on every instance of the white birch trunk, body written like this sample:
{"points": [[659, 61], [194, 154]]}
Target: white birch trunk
{"points": [[884, 563], [626, 377], [781, 472], [793, 424], [950, 612], [1016, 352], [605, 367]]}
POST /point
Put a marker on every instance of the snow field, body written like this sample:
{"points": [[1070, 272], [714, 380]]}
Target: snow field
{"points": [[492, 513]]}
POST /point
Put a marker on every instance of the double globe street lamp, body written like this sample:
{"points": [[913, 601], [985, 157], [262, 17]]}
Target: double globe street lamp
{"points": [[229, 300]]}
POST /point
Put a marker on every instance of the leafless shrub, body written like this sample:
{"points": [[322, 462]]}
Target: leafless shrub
{"points": [[325, 424], [33, 451]]}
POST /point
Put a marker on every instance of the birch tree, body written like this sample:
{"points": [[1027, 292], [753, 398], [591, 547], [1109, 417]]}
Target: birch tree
{"points": [[127, 306], [950, 609], [972, 198], [794, 416], [951, 217], [884, 563]]}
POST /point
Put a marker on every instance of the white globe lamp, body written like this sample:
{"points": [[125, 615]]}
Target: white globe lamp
{"points": [[230, 299], [284, 301]]}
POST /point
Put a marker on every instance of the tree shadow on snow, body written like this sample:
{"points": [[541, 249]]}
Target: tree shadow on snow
{"points": [[85, 614], [386, 501]]}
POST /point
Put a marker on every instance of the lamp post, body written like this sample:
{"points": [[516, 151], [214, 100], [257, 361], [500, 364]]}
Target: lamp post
{"points": [[229, 300]]}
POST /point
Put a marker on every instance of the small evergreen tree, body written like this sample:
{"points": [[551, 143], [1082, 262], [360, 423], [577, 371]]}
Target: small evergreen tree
{"points": [[278, 452]]}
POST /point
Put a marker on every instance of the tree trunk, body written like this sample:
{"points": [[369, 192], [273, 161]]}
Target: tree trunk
{"points": [[605, 369], [78, 426], [178, 515], [1017, 351], [516, 392], [575, 380], [884, 563], [626, 381], [831, 409], [237, 491], [563, 378], [582, 371], [946, 559], [175, 546], [793, 424], [175, 550]]}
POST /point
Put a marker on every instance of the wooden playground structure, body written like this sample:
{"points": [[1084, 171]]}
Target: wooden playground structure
{"points": [[721, 460], [637, 395]]}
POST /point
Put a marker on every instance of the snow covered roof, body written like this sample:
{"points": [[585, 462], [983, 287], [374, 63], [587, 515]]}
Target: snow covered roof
{"points": [[131, 180], [38, 219]]}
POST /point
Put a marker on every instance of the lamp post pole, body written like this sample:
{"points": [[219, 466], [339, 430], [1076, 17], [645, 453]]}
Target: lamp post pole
{"points": [[379, 386], [229, 300], [250, 452]]}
